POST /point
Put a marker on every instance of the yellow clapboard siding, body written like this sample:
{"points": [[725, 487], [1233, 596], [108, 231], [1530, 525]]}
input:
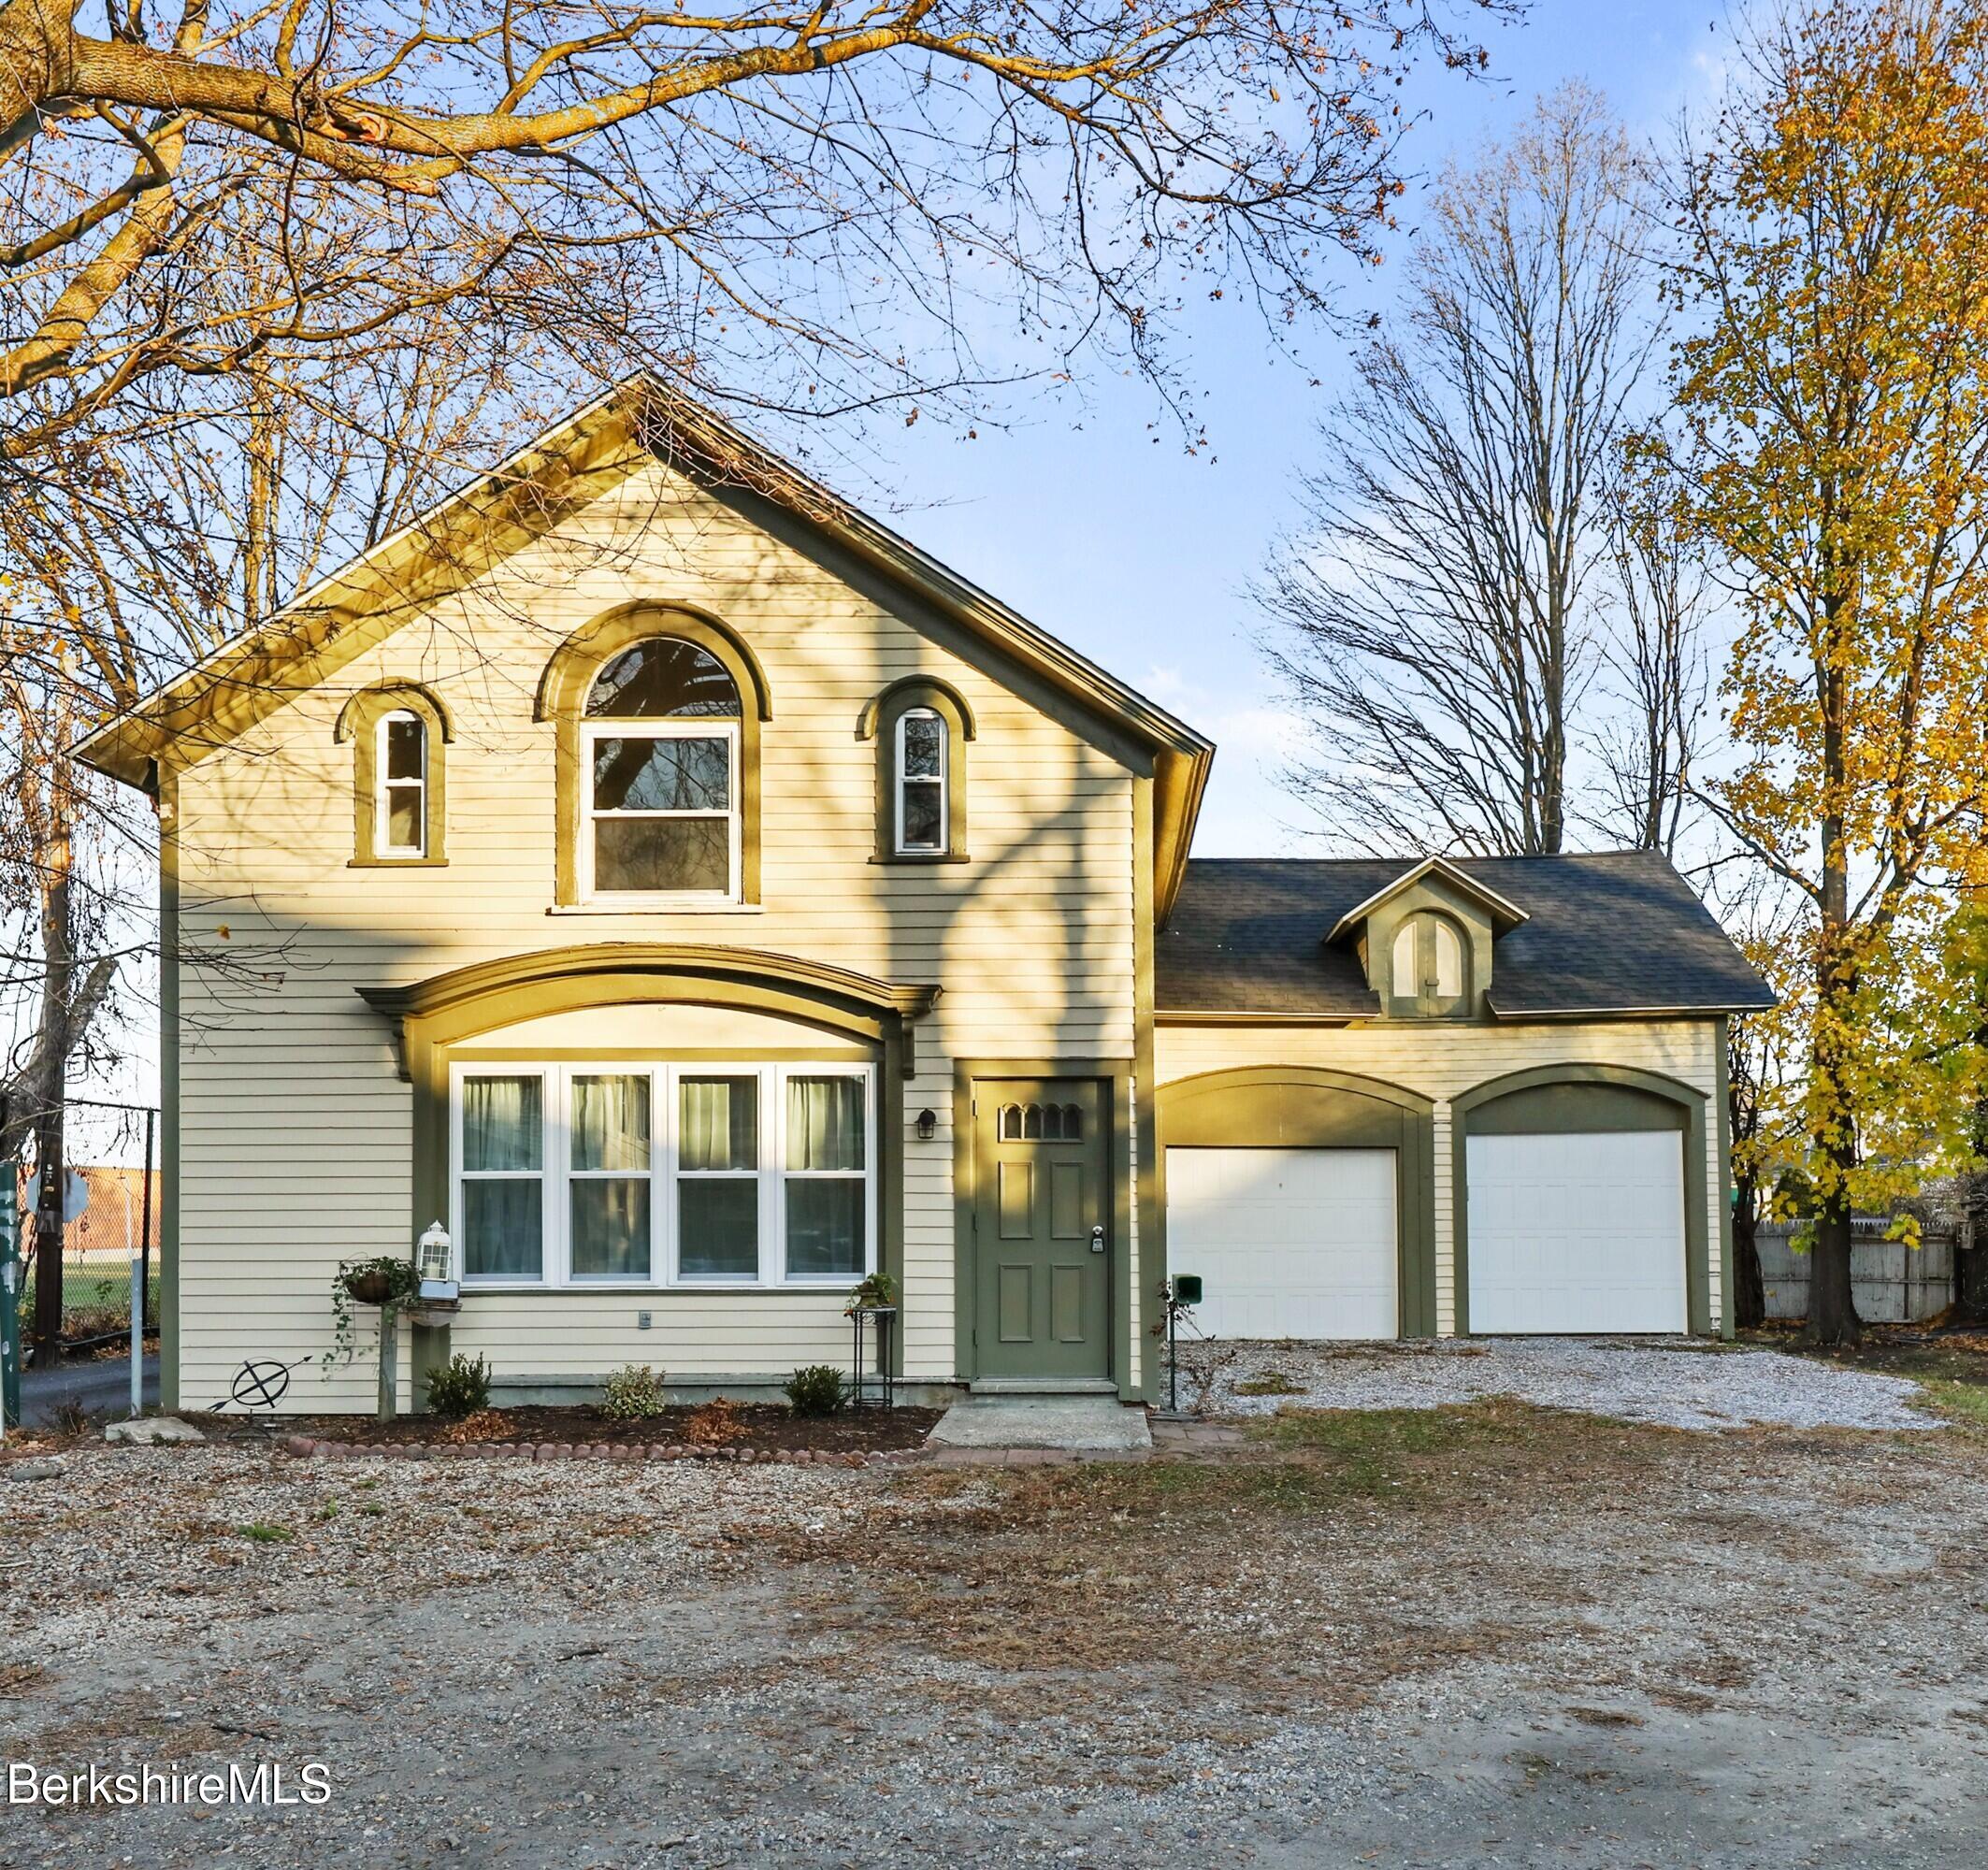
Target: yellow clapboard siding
{"points": [[296, 1148]]}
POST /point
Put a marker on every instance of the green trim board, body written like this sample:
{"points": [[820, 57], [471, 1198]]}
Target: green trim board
{"points": [[1149, 1205], [1568, 1100], [967, 1075], [563, 687], [356, 722], [1313, 1107], [1724, 1113], [879, 722]]}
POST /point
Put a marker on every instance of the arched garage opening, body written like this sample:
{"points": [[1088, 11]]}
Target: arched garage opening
{"points": [[1305, 1200], [1581, 1208]]}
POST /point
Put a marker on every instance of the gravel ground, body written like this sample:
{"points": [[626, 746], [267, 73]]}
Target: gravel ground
{"points": [[1514, 1638], [1682, 1383]]}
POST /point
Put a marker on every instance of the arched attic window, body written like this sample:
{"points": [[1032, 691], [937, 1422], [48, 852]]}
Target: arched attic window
{"points": [[657, 713], [921, 726], [399, 732], [1430, 966]]}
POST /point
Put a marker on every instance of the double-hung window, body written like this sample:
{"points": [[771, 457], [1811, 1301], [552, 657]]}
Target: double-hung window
{"points": [[664, 1174], [660, 819], [400, 767], [920, 767]]}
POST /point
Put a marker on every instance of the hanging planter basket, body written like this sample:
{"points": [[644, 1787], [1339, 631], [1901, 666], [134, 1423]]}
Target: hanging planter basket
{"points": [[370, 1286]]}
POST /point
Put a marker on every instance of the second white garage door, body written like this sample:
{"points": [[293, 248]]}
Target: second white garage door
{"points": [[1288, 1243], [1576, 1232]]}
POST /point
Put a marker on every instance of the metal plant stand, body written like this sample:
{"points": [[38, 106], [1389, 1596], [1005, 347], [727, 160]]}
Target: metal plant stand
{"points": [[873, 1387]]}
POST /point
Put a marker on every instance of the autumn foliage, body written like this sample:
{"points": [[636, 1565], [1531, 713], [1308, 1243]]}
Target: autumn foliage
{"points": [[1833, 384]]}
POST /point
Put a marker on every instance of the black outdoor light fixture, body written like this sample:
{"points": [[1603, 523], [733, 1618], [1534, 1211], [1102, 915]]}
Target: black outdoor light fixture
{"points": [[928, 1125]]}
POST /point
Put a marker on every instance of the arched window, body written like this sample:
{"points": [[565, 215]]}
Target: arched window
{"points": [[659, 759], [398, 733], [1430, 966], [657, 714], [921, 726], [920, 783]]}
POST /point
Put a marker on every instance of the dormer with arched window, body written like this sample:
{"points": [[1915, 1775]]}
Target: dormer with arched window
{"points": [[1426, 940]]}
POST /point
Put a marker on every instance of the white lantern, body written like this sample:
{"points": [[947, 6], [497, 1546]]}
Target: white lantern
{"points": [[432, 1254]]}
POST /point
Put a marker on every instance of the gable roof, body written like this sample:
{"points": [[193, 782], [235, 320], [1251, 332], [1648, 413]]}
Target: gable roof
{"points": [[1608, 935], [1504, 915], [471, 530]]}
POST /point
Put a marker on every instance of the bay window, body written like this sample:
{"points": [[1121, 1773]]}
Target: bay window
{"points": [[669, 1174]]}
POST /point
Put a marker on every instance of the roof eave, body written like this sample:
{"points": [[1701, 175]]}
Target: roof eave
{"points": [[1502, 909], [1702, 1010]]}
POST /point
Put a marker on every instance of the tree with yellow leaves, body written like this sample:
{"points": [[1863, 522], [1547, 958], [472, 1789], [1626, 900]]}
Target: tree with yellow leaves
{"points": [[1834, 388]]}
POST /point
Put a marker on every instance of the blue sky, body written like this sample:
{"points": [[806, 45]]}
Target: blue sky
{"points": [[1138, 554]]}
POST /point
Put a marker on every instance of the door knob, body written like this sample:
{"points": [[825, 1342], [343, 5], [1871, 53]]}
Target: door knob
{"points": [[1097, 1240]]}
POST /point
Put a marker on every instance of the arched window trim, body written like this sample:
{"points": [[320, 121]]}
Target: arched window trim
{"points": [[363, 721], [882, 720], [1423, 927], [562, 690]]}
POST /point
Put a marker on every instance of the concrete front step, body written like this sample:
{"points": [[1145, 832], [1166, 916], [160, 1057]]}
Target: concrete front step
{"points": [[1074, 1423]]}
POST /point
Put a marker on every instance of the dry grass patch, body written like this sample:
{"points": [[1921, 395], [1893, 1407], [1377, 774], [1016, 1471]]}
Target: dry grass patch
{"points": [[1296, 1569]]}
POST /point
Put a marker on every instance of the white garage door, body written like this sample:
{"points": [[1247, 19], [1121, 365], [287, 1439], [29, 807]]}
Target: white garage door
{"points": [[1578, 1232], [1288, 1243]]}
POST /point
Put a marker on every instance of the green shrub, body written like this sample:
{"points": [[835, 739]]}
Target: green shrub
{"points": [[460, 1388], [634, 1392], [817, 1391]]}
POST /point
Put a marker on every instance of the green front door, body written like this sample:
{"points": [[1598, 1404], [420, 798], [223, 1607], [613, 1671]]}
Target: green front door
{"points": [[1042, 1228]]}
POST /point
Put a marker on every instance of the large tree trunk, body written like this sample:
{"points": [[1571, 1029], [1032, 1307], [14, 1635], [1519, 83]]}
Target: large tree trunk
{"points": [[1970, 1262], [1832, 1309], [1750, 1289], [1833, 1320]]}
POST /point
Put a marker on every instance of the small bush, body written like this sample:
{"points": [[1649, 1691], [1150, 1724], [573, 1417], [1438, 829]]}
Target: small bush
{"points": [[460, 1388], [634, 1392], [817, 1391]]}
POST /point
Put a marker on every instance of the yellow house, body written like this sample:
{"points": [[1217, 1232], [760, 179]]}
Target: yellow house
{"points": [[698, 900]]}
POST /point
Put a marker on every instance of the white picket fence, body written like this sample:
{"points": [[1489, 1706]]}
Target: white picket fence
{"points": [[1890, 1282]]}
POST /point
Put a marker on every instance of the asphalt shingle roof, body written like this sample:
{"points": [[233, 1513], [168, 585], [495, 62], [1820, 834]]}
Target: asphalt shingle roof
{"points": [[1616, 932]]}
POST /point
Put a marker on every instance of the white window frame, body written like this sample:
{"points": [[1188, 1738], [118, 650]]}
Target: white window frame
{"points": [[554, 1128], [555, 1175], [383, 845], [689, 727], [902, 778]]}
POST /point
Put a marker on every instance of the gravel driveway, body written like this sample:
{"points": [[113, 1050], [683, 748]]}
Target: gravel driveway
{"points": [[1493, 1636], [1679, 1383]]}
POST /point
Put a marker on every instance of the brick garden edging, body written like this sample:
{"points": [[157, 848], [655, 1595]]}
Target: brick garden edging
{"points": [[305, 1449]]}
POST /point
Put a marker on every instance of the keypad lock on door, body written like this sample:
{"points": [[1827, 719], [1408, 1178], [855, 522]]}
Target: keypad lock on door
{"points": [[1097, 1240]]}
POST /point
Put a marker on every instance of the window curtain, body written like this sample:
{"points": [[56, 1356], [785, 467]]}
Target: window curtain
{"points": [[825, 1123], [718, 1124], [503, 1123], [611, 1122]]}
